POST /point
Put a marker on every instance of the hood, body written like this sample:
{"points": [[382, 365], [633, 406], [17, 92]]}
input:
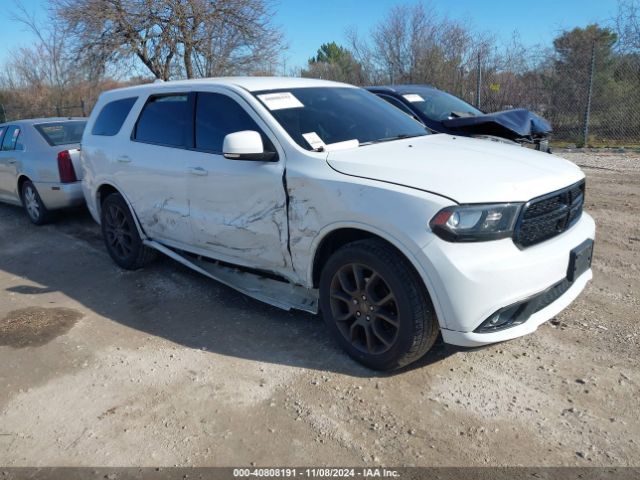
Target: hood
{"points": [[509, 124], [465, 170]]}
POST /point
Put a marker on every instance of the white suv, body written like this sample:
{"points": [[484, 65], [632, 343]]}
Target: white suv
{"points": [[317, 195]]}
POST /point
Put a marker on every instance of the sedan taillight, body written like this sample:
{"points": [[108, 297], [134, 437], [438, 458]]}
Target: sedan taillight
{"points": [[65, 167]]}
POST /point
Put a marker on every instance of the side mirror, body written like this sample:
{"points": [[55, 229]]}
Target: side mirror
{"points": [[246, 145]]}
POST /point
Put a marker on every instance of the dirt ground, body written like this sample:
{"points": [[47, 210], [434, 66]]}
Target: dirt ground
{"points": [[99, 366]]}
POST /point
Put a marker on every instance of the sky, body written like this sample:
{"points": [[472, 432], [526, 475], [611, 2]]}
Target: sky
{"points": [[309, 23]]}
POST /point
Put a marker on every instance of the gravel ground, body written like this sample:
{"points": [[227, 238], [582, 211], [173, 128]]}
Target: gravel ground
{"points": [[164, 367]]}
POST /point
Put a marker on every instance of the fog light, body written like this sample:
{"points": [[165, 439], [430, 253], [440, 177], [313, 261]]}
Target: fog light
{"points": [[504, 318]]}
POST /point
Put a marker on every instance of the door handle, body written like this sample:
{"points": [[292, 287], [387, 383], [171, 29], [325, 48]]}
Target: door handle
{"points": [[13, 161], [124, 159], [198, 171]]}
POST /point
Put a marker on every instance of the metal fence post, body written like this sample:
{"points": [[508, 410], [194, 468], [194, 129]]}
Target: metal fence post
{"points": [[82, 107], [587, 113], [478, 83]]}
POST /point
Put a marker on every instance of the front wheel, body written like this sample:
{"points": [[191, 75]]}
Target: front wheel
{"points": [[120, 234], [377, 306]]}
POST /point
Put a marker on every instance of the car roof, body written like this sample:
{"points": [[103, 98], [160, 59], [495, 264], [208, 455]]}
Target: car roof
{"points": [[252, 84], [401, 89], [36, 121]]}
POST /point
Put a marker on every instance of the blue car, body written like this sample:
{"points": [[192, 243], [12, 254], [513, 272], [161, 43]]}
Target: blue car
{"points": [[444, 113]]}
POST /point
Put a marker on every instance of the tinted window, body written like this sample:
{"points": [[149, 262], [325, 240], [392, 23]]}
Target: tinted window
{"points": [[112, 117], [11, 139], [61, 133], [217, 116], [338, 114], [163, 120], [438, 105], [397, 103]]}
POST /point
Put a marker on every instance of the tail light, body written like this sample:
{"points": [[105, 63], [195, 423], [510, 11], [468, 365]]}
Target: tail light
{"points": [[65, 167]]}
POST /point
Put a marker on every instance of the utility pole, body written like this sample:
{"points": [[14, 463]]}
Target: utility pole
{"points": [[478, 83], [587, 113]]}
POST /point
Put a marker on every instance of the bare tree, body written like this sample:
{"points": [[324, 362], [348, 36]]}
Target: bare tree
{"points": [[47, 61], [414, 44], [43, 78], [173, 38], [627, 24]]}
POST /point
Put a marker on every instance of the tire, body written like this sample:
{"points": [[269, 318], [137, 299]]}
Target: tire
{"points": [[36, 211], [386, 324], [121, 236]]}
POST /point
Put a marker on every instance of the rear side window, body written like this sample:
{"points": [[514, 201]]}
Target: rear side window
{"points": [[112, 116], [163, 120], [61, 133], [11, 139], [216, 116], [1, 134]]}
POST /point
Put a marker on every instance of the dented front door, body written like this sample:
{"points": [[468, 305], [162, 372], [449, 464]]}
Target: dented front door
{"points": [[238, 207], [238, 210]]}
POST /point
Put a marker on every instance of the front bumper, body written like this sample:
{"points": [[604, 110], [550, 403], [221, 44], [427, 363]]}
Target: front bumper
{"points": [[60, 195], [471, 281]]}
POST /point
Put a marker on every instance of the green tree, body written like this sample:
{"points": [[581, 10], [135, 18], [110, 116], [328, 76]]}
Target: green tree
{"points": [[573, 48], [570, 75], [334, 62], [331, 53]]}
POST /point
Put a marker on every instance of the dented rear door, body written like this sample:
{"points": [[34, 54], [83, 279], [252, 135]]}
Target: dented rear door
{"points": [[151, 169]]}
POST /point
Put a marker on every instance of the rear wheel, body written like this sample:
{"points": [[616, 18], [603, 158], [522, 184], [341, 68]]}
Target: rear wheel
{"points": [[36, 211], [121, 236], [376, 305]]}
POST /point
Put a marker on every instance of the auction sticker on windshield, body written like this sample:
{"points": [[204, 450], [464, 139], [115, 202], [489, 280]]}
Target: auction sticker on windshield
{"points": [[280, 100], [314, 140], [413, 97]]}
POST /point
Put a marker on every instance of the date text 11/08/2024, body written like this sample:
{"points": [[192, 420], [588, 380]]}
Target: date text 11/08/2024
{"points": [[316, 472]]}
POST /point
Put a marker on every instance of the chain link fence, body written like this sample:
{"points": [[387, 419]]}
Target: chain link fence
{"points": [[593, 103]]}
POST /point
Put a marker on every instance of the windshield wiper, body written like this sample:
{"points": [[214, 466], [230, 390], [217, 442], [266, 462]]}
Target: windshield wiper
{"points": [[402, 136]]}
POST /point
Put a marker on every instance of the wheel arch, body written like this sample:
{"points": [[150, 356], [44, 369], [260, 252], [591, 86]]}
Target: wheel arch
{"points": [[336, 238], [106, 189], [23, 177], [103, 191]]}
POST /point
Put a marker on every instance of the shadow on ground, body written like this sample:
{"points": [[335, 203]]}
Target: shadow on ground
{"points": [[166, 299]]}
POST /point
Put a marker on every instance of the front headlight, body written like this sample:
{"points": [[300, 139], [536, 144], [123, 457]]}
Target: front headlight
{"points": [[475, 223]]}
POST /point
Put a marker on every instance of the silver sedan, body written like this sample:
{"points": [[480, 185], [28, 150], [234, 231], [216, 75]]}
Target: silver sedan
{"points": [[40, 165]]}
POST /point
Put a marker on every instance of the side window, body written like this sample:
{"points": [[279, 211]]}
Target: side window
{"points": [[217, 116], [398, 104], [163, 120], [11, 139], [112, 116], [1, 134]]}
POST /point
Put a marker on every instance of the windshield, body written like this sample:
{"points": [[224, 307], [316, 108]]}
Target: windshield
{"points": [[61, 133], [438, 106], [319, 116]]}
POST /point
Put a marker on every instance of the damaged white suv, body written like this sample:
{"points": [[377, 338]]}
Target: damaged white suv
{"points": [[316, 195]]}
